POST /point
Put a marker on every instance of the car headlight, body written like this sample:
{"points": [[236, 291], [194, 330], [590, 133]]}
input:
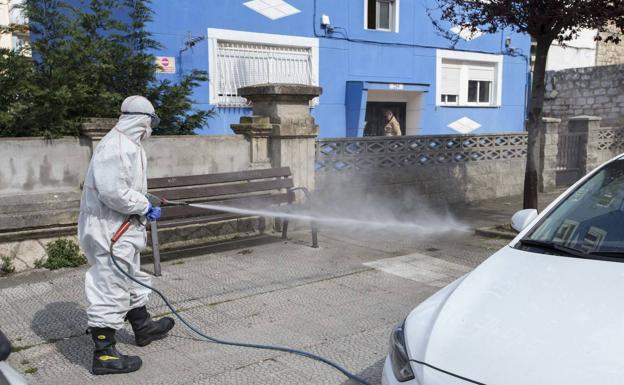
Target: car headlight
{"points": [[398, 356]]}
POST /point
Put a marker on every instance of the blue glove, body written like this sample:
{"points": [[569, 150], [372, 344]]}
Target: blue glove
{"points": [[153, 213]]}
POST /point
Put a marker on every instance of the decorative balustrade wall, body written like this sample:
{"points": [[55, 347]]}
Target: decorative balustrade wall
{"points": [[362, 154], [611, 139], [443, 169], [604, 144]]}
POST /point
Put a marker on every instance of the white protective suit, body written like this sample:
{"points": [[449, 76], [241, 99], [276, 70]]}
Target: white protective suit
{"points": [[114, 188]]}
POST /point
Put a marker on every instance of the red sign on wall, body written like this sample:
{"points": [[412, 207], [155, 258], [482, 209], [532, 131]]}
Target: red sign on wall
{"points": [[166, 64]]}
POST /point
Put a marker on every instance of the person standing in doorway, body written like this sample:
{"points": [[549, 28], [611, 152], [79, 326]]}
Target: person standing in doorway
{"points": [[392, 128]]}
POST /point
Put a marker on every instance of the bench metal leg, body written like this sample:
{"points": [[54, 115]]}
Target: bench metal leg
{"points": [[285, 229], [308, 200], [155, 248], [314, 235]]}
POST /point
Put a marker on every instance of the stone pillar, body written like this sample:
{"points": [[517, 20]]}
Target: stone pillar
{"points": [[549, 142], [256, 129], [94, 129], [588, 127], [293, 133]]}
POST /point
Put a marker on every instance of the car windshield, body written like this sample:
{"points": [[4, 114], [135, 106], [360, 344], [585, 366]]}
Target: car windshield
{"points": [[589, 222]]}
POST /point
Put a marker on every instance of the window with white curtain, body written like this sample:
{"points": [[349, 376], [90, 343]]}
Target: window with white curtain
{"points": [[469, 79], [240, 59]]}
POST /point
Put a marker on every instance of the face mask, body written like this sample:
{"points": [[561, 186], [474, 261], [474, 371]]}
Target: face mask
{"points": [[154, 119], [148, 133]]}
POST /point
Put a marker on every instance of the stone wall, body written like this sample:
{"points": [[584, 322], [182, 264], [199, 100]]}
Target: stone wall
{"points": [[195, 155], [38, 165], [609, 53], [435, 170], [40, 186], [595, 91]]}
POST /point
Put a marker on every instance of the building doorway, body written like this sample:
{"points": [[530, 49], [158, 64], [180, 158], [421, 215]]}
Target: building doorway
{"points": [[375, 120]]}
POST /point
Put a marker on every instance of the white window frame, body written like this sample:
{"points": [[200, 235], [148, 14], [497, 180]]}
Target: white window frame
{"points": [[470, 58], [445, 102], [448, 103], [478, 103], [394, 23], [215, 35]]}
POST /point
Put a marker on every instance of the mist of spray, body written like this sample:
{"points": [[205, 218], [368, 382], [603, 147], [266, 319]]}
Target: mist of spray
{"points": [[368, 216]]}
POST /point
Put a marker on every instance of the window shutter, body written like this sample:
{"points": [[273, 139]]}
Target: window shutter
{"points": [[450, 80], [481, 73]]}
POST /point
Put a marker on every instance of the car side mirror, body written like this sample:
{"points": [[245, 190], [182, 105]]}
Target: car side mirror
{"points": [[521, 219]]}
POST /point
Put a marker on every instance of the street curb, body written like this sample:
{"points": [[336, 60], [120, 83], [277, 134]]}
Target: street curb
{"points": [[495, 232]]}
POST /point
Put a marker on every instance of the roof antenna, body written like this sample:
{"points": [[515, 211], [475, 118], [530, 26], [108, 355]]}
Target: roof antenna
{"points": [[191, 41]]}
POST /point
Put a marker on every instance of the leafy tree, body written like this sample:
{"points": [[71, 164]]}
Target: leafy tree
{"points": [[545, 21], [85, 60], [169, 99]]}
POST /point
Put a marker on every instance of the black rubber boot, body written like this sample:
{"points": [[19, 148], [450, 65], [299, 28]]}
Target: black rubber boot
{"points": [[106, 358], [145, 330]]}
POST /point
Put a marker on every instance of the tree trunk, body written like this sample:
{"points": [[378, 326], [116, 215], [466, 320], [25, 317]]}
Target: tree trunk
{"points": [[536, 104]]}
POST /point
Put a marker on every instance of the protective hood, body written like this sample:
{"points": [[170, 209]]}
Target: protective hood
{"points": [[135, 127]]}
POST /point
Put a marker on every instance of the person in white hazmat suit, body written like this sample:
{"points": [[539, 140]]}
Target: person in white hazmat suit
{"points": [[114, 189]]}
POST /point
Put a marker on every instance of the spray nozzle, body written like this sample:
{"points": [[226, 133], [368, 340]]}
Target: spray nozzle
{"points": [[157, 201], [154, 200]]}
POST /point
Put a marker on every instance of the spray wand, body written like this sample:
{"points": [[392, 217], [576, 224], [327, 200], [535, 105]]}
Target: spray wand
{"points": [[157, 201]]}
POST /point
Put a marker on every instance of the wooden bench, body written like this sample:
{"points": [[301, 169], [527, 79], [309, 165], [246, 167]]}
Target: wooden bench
{"points": [[257, 189]]}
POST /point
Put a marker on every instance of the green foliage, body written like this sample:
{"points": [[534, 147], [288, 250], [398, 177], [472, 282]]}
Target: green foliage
{"points": [[62, 253], [84, 63], [169, 99], [6, 267]]}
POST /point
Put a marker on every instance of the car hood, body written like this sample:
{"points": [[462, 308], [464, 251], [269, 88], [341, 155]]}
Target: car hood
{"points": [[524, 318]]}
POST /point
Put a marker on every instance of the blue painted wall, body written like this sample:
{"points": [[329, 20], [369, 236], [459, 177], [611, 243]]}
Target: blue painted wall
{"points": [[408, 56]]}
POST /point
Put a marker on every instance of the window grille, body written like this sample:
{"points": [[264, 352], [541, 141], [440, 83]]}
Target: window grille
{"points": [[242, 64]]}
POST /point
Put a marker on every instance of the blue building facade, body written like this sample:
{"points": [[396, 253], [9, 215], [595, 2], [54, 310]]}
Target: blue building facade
{"points": [[368, 55]]}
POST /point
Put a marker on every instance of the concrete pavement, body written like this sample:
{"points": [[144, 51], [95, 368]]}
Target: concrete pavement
{"points": [[339, 301]]}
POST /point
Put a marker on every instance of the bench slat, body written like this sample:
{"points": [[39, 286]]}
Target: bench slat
{"points": [[170, 212], [197, 219], [225, 177], [219, 190]]}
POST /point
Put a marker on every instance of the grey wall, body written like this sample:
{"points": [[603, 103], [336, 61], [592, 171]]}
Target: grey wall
{"points": [[40, 180], [596, 91], [37, 165], [194, 155], [432, 185]]}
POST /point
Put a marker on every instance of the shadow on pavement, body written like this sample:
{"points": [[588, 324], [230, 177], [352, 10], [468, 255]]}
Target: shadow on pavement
{"points": [[64, 324], [372, 374]]}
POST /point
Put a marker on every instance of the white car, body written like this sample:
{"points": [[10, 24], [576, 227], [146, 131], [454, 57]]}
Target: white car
{"points": [[547, 309]]}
